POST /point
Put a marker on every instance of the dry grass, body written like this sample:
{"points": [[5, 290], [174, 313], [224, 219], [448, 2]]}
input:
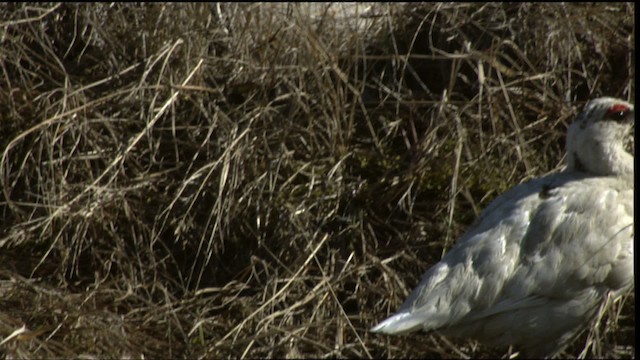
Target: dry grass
{"points": [[269, 180]]}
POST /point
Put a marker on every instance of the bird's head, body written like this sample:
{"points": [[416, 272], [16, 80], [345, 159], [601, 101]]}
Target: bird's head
{"points": [[595, 140]]}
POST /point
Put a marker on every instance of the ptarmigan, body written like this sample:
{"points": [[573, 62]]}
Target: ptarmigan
{"points": [[541, 259]]}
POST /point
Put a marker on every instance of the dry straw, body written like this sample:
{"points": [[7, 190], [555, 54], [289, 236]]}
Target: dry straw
{"points": [[269, 180]]}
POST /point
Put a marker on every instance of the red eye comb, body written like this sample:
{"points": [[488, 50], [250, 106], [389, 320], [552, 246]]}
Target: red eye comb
{"points": [[618, 108]]}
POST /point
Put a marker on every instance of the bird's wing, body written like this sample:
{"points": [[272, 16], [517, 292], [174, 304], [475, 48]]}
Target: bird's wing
{"points": [[544, 218], [580, 236]]}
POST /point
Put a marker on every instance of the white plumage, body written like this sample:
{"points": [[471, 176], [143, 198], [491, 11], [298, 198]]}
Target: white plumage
{"points": [[541, 259]]}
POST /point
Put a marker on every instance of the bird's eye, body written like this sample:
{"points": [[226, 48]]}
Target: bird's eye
{"points": [[617, 112]]}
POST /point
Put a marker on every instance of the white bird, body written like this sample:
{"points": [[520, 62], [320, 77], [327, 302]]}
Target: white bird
{"points": [[542, 258]]}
